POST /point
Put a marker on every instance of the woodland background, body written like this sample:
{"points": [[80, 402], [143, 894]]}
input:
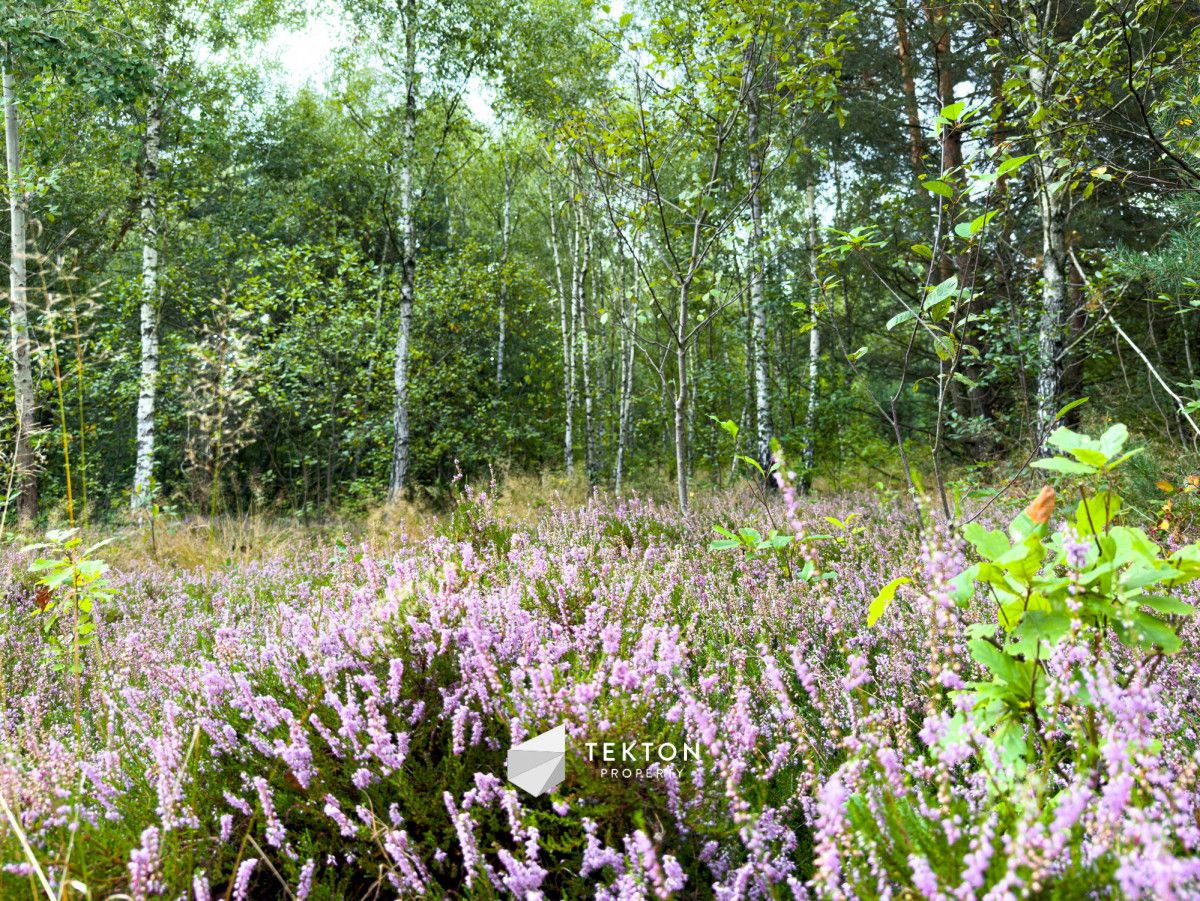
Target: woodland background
{"points": [[883, 235]]}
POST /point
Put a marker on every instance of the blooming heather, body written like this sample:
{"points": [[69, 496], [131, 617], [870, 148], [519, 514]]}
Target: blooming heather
{"points": [[338, 723]]}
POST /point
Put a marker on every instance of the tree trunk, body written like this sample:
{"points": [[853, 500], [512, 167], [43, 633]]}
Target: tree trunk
{"points": [[814, 340], [916, 142], [758, 312], [19, 304], [628, 349], [1053, 214], [567, 347], [968, 404], [408, 227], [584, 339], [143, 473], [681, 399], [505, 235], [1072, 368]]}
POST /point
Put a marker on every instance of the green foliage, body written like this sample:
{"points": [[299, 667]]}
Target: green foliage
{"points": [[884, 598], [73, 596], [1097, 581]]}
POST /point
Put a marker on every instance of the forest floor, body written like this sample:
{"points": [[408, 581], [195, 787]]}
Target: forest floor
{"points": [[253, 711]]}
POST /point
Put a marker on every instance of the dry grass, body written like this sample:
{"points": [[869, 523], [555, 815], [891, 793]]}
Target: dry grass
{"points": [[196, 541], [193, 541]]}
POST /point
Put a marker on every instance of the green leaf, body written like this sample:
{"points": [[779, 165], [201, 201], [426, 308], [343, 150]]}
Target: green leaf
{"points": [[1022, 527], [940, 188], [964, 585], [900, 318], [982, 630], [953, 111], [1072, 405], [1132, 545], [1140, 575], [989, 544], [1127, 455], [750, 461], [1090, 456], [99, 544], [1112, 441], [1024, 560], [91, 568], [1067, 440], [1148, 632], [1095, 513], [1167, 606], [945, 347], [57, 578], [886, 594], [991, 657], [1063, 465], [1012, 163], [727, 424], [941, 291], [1038, 632]]}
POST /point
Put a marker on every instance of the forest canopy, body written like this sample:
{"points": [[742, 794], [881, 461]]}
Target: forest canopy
{"points": [[564, 234]]}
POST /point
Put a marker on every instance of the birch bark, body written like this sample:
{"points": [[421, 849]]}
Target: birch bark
{"points": [[584, 338], [143, 473], [505, 236], [758, 312], [19, 301], [1052, 212], [814, 339], [628, 349], [568, 350], [400, 426]]}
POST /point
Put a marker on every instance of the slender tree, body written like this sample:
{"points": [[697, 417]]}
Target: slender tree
{"points": [[755, 269], [18, 298], [143, 473]]}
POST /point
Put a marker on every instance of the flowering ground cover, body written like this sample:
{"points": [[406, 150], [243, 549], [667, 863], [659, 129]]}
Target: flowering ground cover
{"points": [[334, 723]]}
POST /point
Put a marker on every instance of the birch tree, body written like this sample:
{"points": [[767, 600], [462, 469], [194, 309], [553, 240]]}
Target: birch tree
{"points": [[662, 150], [143, 473], [565, 319], [171, 33], [751, 88], [18, 299], [814, 335], [426, 50], [505, 240]]}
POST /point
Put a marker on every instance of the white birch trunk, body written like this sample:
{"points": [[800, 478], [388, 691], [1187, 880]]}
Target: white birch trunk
{"points": [[1053, 214], [758, 312], [567, 348], [628, 349], [408, 228], [143, 473], [814, 339], [505, 236], [584, 339], [19, 302], [681, 399]]}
